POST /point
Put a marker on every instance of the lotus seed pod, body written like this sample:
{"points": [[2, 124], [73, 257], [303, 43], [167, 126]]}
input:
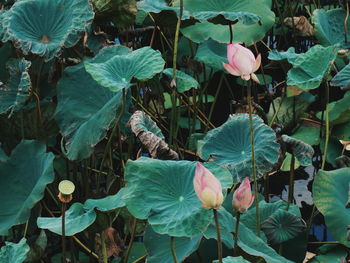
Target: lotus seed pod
{"points": [[66, 189]]}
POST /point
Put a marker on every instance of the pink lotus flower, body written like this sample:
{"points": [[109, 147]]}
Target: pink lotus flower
{"points": [[207, 187], [242, 62], [243, 197]]}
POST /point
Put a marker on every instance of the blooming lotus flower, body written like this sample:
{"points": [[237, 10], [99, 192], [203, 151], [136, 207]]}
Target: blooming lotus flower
{"points": [[207, 187], [243, 197], [242, 62]]}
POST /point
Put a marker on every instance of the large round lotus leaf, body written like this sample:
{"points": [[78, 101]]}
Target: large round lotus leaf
{"points": [[212, 53], [242, 33], [105, 204], [230, 10], [162, 192], [309, 135], [84, 120], [331, 194], [158, 246], [232, 260], [327, 29], [247, 240], [282, 226], [289, 55], [342, 78], [302, 151], [229, 145], [285, 114], [44, 27], [77, 219], [184, 82], [14, 252], [339, 111], [117, 72], [310, 68], [23, 178], [14, 94]]}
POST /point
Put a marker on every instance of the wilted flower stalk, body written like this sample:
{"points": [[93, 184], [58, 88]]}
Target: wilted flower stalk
{"points": [[209, 191], [242, 200]]}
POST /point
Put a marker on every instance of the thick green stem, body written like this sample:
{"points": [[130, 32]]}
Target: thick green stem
{"points": [[104, 248], [172, 248], [63, 210], [218, 235], [256, 195], [291, 182], [235, 249]]}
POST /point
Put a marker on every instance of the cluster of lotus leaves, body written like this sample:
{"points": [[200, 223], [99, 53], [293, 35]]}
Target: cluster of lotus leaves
{"points": [[229, 145], [44, 27]]}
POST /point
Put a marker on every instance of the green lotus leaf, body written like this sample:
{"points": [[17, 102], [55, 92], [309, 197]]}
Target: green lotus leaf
{"points": [[84, 120], [77, 219], [15, 93], [162, 192], [3, 156], [23, 178], [232, 260], [289, 55], [285, 114], [5, 55], [339, 110], [330, 254], [107, 203], [247, 240], [342, 131], [282, 226], [327, 29], [230, 10], [309, 135], [184, 82], [44, 27], [168, 104], [342, 78], [158, 246], [242, 33], [14, 252], [302, 151], [334, 150], [143, 123], [157, 6], [229, 145], [117, 72], [331, 192], [212, 53], [285, 167], [310, 68]]}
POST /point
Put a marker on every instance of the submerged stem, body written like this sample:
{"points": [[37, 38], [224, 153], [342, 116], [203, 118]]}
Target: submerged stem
{"points": [[256, 192], [218, 235]]}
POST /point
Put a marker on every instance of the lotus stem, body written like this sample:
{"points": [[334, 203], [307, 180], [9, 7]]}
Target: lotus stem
{"points": [[88, 250], [327, 128], [104, 248], [133, 231], [346, 23], [291, 182], [218, 235], [256, 192], [172, 248], [231, 31], [63, 210], [235, 248]]}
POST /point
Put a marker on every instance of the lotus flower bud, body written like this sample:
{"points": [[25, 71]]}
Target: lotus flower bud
{"points": [[242, 62], [243, 197], [207, 187]]}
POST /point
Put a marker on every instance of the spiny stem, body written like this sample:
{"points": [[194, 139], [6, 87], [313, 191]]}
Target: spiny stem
{"points": [[256, 195], [291, 182], [218, 235], [235, 249], [172, 248]]}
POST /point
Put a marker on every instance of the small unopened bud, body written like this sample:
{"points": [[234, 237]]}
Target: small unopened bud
{"points": [[66, 189], [243, 197], [207, 187]]}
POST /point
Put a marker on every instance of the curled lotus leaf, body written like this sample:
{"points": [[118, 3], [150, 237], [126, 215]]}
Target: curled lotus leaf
{"points": [[330, 191], [44, 27], [282, 226], [184, 82], [14, 94], [107, 203], [302, 151], [229, 145], [141, 122], [14, 252], [232, 260], [171, 204], [117, 72]]}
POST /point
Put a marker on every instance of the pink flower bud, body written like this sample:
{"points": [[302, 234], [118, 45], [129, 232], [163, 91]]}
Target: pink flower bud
{"points": [[242, 62], [207, 187], [243, 197]]}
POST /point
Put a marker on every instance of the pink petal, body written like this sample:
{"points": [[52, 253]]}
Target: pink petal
{"points": [[257, 63], [243, 63], [245, 77], [255, 78], [231, 70], [231, 50]]}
